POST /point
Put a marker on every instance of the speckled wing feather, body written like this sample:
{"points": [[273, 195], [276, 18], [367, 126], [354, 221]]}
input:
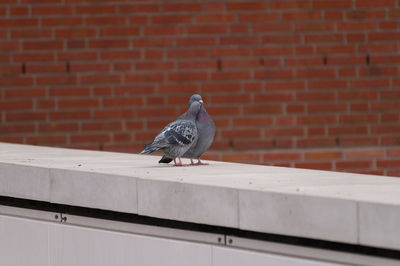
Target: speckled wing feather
{"points": [[182, 132]]}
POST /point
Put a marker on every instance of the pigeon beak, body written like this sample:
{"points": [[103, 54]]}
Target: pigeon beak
{"points": [[201, 102]]}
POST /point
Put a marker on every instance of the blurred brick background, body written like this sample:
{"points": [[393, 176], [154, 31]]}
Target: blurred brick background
{"points": [[301, 83]]}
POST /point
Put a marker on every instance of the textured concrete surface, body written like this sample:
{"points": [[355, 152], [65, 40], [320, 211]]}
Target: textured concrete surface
{"points": [[343, 207]]}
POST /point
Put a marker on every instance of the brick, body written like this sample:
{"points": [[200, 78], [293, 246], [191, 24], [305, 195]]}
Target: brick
{"points": [[280, 39], [15, 105], [347, 130], [230, 75], [164, 30], [262, 109], [358, 95], [132, 125], [138, 8], [231, 110], [353, 164], [45, 104], [385, 129], [273, 74], [231, 98], [296, 4], [295, 108], [180, 88], [16, 128], [19, 22], [187, 53], [230, 51], [369, 83], [240, 133], [62, 21], [356, 37], [89, 67], [358, 118], [377, 48], [182, 7], [156, 112], [207, 29], [103, 21], [334, 15], [249, 144], [348, 60], [42, 68], [357, 26], [335, 49], [383, 36], [302, 15], [327, 84], [25, 93], [196, 41], [282, 156], [364, 153], [323, 155], [273, 97], [30, 33], [144, 77], [327, 108], [75, 33], [95, 9], [138, 20], [285, 85], [16, 81], [324, 38], [315, 142], [46, 140], [29, 116], [378, 71], [120, 55], [115, 102], [153, 42], [113, 114], [51, 10], [58, 127], [253, 86], [325, 4], [133, 89], [171, 19], [244, 6], [69, 91], [241, 157], [77, 56], [221, 87], [298, 62], [198, 64], [316, 119], [56, 80], [315, 96], [19, 11], [8, 70], [70, 115], [358, 141], [98, 78], [259, 17], [78, 103], [374, 4], [316, 131], [315, 165], [252, 121], [102, 126], [90, 138], [315, 73], [131, 31], [108, 44], [284, 132], [272, 27], [234, 40], [214, 18], [187, 76], [43, 45]]}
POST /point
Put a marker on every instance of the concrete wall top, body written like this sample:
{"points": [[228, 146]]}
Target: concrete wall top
{"points": [[343, 207]]}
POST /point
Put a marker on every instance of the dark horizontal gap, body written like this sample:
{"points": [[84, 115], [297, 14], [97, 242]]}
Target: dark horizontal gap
{"points": [[139, 219]]}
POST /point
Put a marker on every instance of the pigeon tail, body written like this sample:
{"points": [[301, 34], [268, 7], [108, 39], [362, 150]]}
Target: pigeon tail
{"points": [[149, 148], [165, 159]]}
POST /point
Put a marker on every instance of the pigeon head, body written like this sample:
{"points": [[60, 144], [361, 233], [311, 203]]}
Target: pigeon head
{"points": [[195, 98], [195, 108]]}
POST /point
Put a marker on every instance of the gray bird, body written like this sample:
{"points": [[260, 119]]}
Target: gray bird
{"points": [[178, 136], [206, 130]]}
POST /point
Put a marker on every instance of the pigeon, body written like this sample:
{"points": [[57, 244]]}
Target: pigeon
{"points": [[206, 130], [178, 136]]}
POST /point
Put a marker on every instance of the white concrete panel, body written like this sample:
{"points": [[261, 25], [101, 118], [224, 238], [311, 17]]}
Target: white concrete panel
{"points": [[79, 246], [187, 202], [94, 190], [379, 225], [24, 181], [23, 242], [223, 256], [299, 215]]}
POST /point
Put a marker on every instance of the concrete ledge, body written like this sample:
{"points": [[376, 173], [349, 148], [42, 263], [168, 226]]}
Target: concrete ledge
{"points": [[349, 208]]}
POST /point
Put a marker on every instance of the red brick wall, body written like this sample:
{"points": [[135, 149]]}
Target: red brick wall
{"points": [[298, 83]]}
